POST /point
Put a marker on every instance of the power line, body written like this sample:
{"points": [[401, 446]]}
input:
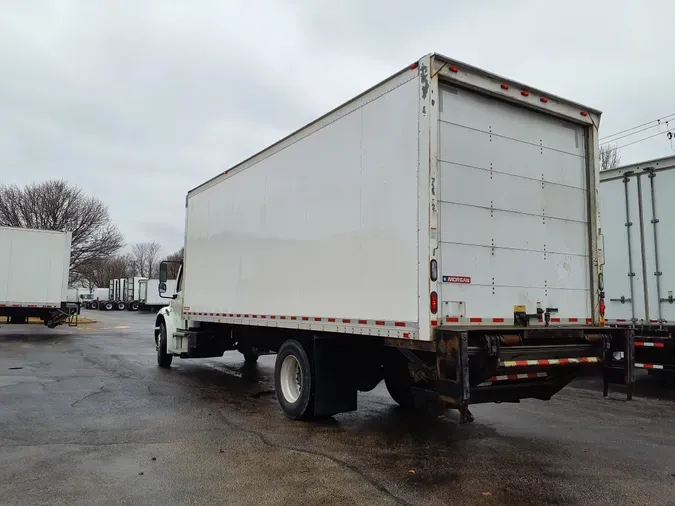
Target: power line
{"points": [[643, 139], [658, 120], [636, 132]]}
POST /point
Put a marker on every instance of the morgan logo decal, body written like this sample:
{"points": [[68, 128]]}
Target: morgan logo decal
{"points": [[462, 280]]}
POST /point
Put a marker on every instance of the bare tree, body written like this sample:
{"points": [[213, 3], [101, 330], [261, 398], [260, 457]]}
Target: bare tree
{"points": [[56, 205], [609, 156], [172, 268], [145, 258], [99, 272]]}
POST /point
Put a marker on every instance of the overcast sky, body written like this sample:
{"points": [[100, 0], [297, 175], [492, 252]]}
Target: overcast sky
{"points": [[139, 101]]}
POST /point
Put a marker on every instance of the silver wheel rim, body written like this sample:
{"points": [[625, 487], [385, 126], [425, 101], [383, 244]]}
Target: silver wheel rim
{"points": [[290, 378]]}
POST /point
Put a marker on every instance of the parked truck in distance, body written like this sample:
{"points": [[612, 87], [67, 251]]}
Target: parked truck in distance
{"points": [[149, 296], [438, 232], [34, 270], [639, 226]]}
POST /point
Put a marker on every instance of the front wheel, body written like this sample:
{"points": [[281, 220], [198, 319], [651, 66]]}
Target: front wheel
{"points": [[163, 358], [134, 306], [294, 381]]}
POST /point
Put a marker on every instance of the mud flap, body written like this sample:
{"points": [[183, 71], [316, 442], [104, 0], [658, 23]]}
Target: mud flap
{"points": [[335, 382], [619, 371], [452, 369]]}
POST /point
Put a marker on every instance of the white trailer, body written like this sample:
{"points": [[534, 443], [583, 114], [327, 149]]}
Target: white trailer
{"points": [[439, 230], [132, 296], [34, 270], [639, 278], [150, 299]]}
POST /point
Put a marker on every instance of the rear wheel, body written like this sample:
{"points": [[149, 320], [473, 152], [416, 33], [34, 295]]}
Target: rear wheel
{"points": [[294, 381], [134, 306], [398, 380], [163, 358], [108, 306], [121, 306], [93, 305]]}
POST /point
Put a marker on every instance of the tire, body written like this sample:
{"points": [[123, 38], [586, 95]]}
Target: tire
{"points": [[134, 306], [163, 359], [250, 356], [121, 306], [108, 306], [398, 380], [294, 381]]}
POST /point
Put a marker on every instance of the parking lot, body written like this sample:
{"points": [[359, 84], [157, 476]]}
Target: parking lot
{"points": [[88, 418]]}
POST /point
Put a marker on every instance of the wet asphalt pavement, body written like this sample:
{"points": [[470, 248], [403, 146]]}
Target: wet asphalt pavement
{"points": [[87, 417]]}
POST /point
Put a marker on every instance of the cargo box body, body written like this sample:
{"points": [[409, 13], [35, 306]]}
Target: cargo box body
{"points": [[34, 268], [444, 196]]}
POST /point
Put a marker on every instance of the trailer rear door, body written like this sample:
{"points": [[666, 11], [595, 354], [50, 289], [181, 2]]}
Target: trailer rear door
{"points": [[514, 228]]}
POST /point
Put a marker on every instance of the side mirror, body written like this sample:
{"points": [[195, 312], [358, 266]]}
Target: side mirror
{"points": [[162, 287], [163, 275]]}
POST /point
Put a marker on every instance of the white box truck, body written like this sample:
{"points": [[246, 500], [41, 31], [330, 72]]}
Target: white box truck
{"points": [[639, 227], [149, 296], [438, 231], [34, 270]]}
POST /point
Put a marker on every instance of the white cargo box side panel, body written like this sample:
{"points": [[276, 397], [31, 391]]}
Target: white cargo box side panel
{"points": [[324, 227], [34, 266], [514, 226], [150, 292]]}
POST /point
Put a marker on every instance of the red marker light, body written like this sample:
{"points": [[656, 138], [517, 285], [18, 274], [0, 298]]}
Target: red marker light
{"points": [[543, 99], [434, 302], [414, 66], [525, 93], [584, 113], [453, 69], [602, 308], [505, 86]]}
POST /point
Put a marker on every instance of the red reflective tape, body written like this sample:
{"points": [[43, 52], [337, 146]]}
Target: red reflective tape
{"points": [[648, 366], [363, 322], [653, 321], [452, 319], [589, 320], [399, 324], [379, 322], [475, 320], [16, 305], [554, 320], [521, 363], [621, 321], [282, 317], [238, 316], [317, 319], [32, 305], [263, 316], [3, 305], [254, 316], [573, 320], [294, 317], [331, 320], [273, 317], [346, 320], [211, 314], [305, 318], [434, 323], [649, 345], [498, 320]]}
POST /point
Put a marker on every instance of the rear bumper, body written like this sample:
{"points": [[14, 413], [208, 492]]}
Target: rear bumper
{"points": [[477, 365]]}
